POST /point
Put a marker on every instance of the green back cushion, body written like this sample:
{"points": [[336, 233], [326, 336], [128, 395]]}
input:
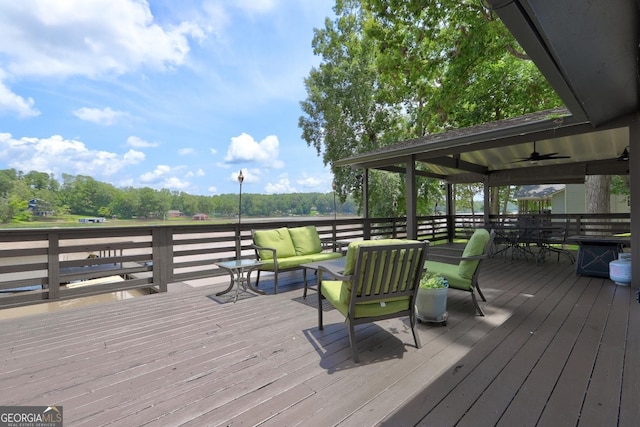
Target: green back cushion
{"points": [[475, 246], [350, 264], [305, 240], [278, 239], [352, 251]]}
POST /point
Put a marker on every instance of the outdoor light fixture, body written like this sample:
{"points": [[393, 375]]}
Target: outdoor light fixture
{"points": [[240, 179], [625, 154]]}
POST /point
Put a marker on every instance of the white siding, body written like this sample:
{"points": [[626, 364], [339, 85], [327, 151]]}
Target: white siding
{"points": [[575, 198]]}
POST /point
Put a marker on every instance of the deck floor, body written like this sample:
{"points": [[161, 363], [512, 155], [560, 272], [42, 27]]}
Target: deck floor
{"points": [[554, 349]]}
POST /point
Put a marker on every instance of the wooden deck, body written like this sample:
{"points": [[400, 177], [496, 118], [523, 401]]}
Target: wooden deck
{"points": [[555, 349]]}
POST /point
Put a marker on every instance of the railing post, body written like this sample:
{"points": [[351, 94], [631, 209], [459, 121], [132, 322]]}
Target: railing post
{"points": [[162, 257], [53, 265], [334, 237], [366, 231]]}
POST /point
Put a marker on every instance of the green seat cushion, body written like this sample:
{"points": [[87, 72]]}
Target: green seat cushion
{"points": [[284, 263], [305, 240], [337, 294], [278, 239], [324, 256], [451, 272], [475, 247]]}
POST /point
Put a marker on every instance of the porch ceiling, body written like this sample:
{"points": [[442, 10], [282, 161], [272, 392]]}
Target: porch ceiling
{"points": [[492, 150], [586, 50]]}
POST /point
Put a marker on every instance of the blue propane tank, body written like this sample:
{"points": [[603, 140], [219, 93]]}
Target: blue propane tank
{"points": [[620, 269]]}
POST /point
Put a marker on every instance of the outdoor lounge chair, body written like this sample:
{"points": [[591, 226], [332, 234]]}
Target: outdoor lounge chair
{"points": [[379, 281], [464, 274]]}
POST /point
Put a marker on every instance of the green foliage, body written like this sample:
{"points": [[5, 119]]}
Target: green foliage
{"points": [[433, 281], [395, 70], [620, 185], [84, 196]]}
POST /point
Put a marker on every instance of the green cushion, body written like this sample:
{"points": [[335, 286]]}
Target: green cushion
{"points": [[324, 256], [350, 264], [278, 239], [450, 271], [284, 263], [475, 246], [335, 293], [305, 240], [352, 250]]}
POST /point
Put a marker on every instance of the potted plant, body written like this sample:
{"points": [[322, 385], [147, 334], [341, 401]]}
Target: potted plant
{"points": [[431, 301]]}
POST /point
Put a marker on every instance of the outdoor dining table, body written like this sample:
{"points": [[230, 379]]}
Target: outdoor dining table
{"points": [[521, 240]]}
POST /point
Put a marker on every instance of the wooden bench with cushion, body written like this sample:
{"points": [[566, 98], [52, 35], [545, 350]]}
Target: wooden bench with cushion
{"points": [[284, 249]]}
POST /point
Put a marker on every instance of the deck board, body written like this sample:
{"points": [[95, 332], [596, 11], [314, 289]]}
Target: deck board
{"points": [[553, 349]]}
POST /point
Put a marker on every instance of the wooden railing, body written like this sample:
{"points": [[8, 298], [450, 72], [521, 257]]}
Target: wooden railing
{"points": [[37, 265]]}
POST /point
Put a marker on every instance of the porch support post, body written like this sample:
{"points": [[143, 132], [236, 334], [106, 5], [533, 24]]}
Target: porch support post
{"points": [[487, 203], [634, 184], [365, 204], [450, 213], [412, 226]]}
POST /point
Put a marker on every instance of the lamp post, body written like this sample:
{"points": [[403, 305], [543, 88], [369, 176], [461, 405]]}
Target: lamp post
{"points": [[239, 242], [240, 179]]}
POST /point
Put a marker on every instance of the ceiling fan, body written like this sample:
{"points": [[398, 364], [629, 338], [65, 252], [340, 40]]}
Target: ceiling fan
{"points": [[537, 157]]}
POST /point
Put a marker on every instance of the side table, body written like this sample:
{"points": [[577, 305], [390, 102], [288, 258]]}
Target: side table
{"points": [[240, 272]]}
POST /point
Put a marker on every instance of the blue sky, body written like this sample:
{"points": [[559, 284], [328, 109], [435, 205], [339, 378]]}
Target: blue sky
{"points": [[161, 94]]}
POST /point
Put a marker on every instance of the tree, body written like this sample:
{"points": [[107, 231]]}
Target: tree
{"points": [[394, 70], [345, 113], [84, 195]]}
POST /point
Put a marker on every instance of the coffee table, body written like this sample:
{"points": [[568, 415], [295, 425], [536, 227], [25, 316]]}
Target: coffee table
{"points": [[335, 264]]}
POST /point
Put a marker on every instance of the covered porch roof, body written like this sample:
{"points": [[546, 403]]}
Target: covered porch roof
{"points": [[494, 151], [589, 55]]}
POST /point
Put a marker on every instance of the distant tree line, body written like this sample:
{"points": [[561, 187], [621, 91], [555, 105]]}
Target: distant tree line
{"points": [[83, 195]]}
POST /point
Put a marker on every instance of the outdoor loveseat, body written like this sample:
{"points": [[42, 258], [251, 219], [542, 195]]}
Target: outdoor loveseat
{"points": [[284, 249]]}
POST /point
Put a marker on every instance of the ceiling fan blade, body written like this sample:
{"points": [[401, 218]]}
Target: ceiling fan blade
{"points": [[546, 156]]}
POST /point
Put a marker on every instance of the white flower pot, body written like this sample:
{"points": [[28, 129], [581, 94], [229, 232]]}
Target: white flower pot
{"points": [[431, 305]]}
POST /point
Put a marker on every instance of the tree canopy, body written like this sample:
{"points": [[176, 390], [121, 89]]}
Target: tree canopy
{"points": [[23, 196], [395, 70]]}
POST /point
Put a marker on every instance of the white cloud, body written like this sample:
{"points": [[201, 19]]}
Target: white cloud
{"points": [[212, 190], [158, 173], [186, 151], [244, 148], [174, 183], [89, 38], [282, 186], [105, 116], [12, 103], [137, 142], [213, 151], [58, 155], [164, 176], [198, 173], [309, 182]]}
